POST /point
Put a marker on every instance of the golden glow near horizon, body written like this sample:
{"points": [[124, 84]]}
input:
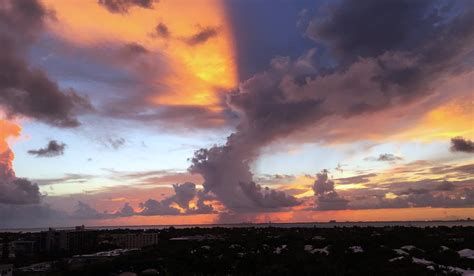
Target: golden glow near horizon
{"points": [[443, 123], [194, 73]]}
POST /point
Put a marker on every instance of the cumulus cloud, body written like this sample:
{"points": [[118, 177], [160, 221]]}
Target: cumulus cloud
{"points": [[25, 90], [15, 190], [227, 175], [123, 6], [327, 197], [459, 144], [85, 211], [19, 191], [184, 194], [54, 148], [372, 74]]}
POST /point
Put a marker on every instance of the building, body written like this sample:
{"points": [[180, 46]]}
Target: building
{"points": [[6, 270], [23, 248], [76, 241], [135, 240]]}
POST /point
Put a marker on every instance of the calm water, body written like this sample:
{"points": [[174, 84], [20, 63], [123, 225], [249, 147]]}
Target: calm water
{"points": [[422, 224]]}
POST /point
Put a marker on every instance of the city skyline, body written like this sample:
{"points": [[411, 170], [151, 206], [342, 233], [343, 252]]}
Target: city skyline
{"points": [[126, 112]]}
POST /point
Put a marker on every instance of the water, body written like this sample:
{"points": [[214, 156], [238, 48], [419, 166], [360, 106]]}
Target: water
{"points": [[421, 224]]}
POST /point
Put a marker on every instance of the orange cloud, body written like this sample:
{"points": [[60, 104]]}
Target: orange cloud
{"points": [[197, 72], [7, 130]]}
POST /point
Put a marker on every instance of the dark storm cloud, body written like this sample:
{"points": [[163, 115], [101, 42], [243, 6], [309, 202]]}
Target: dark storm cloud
{"points": [[202, 36], [369, 28], [54, 148], [122, 6], [421, 29], [459, 144], [294, 95], [261, 33], [24, 90]]}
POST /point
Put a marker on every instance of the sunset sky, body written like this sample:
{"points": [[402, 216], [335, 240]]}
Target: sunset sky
{"points": [[134, 112]]}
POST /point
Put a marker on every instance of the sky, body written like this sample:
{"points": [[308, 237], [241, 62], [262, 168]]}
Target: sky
{"points": [[147, 112]]}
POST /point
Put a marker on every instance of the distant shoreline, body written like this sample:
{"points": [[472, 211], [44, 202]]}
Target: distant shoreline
{"points": [[330, 224]]}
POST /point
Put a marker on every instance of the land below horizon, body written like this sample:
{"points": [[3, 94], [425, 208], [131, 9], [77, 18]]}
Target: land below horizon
{"points": [[388, 250]]}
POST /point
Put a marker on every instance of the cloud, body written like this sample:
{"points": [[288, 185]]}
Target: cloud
{"points": [[267, 198], [156, 177], [67, 178], [53, 149], [132, 50], [123, 6], [162, 30], [445, 186], [116, 143], [295, 95], [184, 194], [202, 36], [25, 90], [29, 215], [385, 157], [15, 190], [457, 170], [461, 199], [19, 191], [354, 31], [85, 211], [186, 200], [358, 179], [459, 144], [227, 175], [326, 196]]}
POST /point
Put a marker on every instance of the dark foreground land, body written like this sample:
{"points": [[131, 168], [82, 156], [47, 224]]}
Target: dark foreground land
{"points": [[278, 251]]}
